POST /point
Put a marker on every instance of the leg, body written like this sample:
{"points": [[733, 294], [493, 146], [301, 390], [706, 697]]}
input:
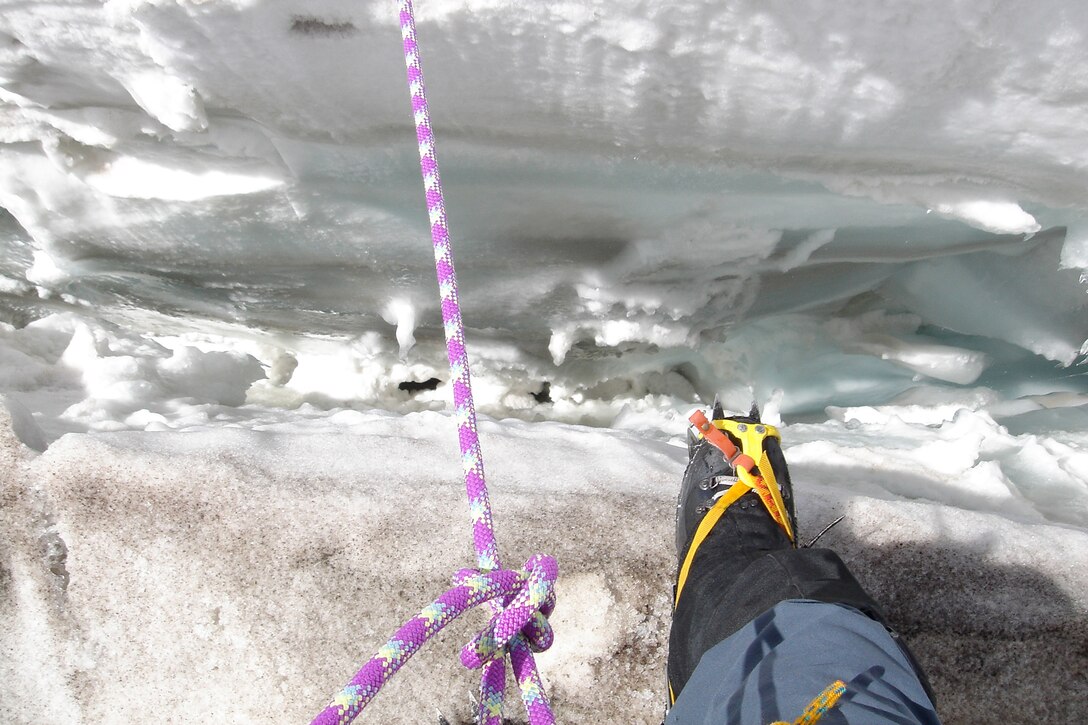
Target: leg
{"points": [[777, 667], [747, 565]]}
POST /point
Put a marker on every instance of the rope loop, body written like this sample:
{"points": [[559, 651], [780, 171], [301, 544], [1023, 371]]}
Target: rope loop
{"points": [[527, 598], [524, 611]]}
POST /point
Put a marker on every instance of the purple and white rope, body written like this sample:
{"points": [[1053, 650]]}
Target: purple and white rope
{"points": [[483, 534], [531, 598], [520, 601]]}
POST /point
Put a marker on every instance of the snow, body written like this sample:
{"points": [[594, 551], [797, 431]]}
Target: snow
{"points": [[218, 315], [280, 557]]}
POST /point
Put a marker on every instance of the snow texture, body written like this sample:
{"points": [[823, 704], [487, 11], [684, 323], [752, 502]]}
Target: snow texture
{"points": [[229, 468]]}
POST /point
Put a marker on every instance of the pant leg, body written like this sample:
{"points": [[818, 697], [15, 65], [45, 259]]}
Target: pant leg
{"points": [[774, 666], [729, 587]]}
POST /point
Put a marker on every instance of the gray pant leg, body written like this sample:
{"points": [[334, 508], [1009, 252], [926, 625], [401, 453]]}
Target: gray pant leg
{"points": [[773, 667]]}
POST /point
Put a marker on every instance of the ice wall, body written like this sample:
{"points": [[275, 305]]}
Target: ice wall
{"points": [[643, 198]]}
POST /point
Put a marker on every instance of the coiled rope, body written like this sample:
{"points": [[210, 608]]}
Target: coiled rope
{"points": [[520, 601]]}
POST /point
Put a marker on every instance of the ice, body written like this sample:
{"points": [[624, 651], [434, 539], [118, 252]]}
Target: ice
{"points": [[220, 332], [167, 99], [132, 178], [1039, 307], [401, 314], [993, 216]]}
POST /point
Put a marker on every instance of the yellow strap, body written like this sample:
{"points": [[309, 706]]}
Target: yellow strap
{"points": [[735, 491], [751, 436], [818, 707], [769, 479]]}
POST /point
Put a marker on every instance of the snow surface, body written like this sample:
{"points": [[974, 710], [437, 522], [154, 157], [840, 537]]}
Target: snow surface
{"points": [[870, 218]]}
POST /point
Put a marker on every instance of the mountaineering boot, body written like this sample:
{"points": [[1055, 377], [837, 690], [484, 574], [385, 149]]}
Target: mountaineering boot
{"points": [[713, 557], [709, 475], [737, 541]]}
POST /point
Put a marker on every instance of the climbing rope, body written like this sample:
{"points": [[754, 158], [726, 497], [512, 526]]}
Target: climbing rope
{"points": [[520, 601]]}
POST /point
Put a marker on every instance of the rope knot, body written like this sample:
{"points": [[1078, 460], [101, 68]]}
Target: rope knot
{"points": [[523, 610]]}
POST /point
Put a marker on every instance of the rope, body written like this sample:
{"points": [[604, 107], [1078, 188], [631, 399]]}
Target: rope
{"points": [[520, 601], [531, 596], [819, 706]]}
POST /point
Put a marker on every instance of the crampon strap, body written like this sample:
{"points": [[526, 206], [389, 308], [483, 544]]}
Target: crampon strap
{"points": [[758, 477], [520, 601]]}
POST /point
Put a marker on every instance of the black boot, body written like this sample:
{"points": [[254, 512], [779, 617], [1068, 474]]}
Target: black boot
{"points": [[744, 533], [746, 563], [709, 475]]}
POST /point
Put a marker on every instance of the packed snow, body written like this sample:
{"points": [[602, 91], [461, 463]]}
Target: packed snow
{"points": [[230, 471]]}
